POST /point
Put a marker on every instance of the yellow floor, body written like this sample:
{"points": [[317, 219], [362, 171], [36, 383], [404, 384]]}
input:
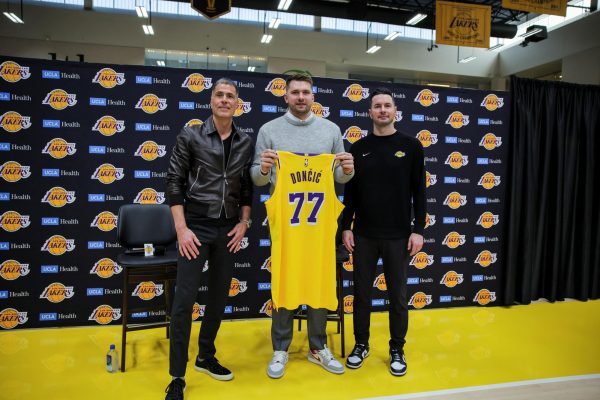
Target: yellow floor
{"points": [[446, 348]]}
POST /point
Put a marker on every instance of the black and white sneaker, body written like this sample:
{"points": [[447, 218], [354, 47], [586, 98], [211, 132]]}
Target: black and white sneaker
{"points": [[397, 362], [212, 368], [175, 389], [359, 353]]}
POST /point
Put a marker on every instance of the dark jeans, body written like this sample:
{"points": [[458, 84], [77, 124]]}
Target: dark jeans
{"points": [[395, 262], [214, 241]]}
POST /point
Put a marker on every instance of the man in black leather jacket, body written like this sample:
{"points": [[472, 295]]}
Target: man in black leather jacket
{"points": [[210, 194]]}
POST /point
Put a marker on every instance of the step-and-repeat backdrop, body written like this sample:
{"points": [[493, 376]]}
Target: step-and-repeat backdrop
{"points": [[79, 140]]}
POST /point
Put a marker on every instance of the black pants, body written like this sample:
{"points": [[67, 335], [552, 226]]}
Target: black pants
{"points": [[214, 241], [395, 262]]}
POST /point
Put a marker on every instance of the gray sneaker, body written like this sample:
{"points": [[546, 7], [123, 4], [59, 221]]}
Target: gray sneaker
{"points": [[326, 360], [276, 366]]}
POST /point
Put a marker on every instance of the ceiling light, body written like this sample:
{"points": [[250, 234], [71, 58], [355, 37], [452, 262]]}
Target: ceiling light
{"points": [[496, 47], [392, 35], [467, 59], [251, 68], [13, 17], [141, 11], [284, 5], [160, 63], [373, 49], [266, 38], [148, 30], [438, 84], [274, 24], [416, 19], [530, 32]]}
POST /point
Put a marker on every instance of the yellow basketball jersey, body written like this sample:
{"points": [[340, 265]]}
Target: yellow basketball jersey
{"points": [[302, 214]]}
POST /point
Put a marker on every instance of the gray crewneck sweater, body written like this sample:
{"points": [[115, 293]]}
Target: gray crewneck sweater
{"points": [[289, 133]]}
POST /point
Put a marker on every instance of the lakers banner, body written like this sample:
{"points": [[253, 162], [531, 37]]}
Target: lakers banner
{"points": [[78, 140], [552, 7], [211, 9], [460, 24]]}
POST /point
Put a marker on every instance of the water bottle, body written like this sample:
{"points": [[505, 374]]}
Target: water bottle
{"points": [[112, 359]]}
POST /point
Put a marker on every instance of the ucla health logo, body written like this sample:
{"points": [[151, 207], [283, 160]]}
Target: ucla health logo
{"points": [[196, 83], [12, 221], [108, 125], [108, 173], [59, 197], [12, 121], [151, 103], [457, 120], [354, 133], [491, 102], [319, 110], [426, 98], [108, 78], [12, 171], [105, 221], [149, 196], [58, 99], [150, 150], [277, 87], [59, 148], [243, 107], [356, 93], [12, 72]]}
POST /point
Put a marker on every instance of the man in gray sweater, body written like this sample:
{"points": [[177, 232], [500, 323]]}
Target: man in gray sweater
{"points": [[299, 131]]}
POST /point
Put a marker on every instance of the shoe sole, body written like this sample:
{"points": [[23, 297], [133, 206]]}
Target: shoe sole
{"points": [[217, 377], [274, 376], [356, 366], [315, 361], [398, 373]]}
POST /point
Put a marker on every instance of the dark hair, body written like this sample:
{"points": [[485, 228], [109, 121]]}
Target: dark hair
{"points": [[378, 91], [225, 81], [298, 77]]}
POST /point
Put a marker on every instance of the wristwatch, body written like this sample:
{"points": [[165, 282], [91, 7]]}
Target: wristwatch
{"points": [[248, 222]]}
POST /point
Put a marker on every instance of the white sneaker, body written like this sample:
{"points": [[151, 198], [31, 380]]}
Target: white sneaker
{"points": [[276, 366], [326, 360]]}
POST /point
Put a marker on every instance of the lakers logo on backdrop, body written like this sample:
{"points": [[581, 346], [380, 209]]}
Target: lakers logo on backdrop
{"points": [[429, 220], [319, 110], [150, 150], [105, 268], [430, 179], [277, 87], [454, 239], [427, 138], [455, 200], [354, 133], [356, 93], [12, 121], [484, 297], [151, 103], [149, 196], [348, 304], [59, 148], [491, 102], [12, 72], [105, 314], [457, 120], [456, 160], [59, 99], [451, 279], [12, 221], [490, 141], [487, 220], [108, 125], [108, 78], [398, 116], [426, 98], [58, 245], [489, 180], [421, 260], [266, 265], [105, 221], [420, 300], [9, 318], [348, 265], [485, 258], [379, 282], [108, 173], [12, 269], [194, 122], [198, 311], [12, 171], [243, 107], [196, 83], [56, 292], [267, 308], [59, 197], [236, 287], [148, 290]]}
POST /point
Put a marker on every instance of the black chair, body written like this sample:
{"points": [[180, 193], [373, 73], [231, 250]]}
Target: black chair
{"points": [[137, 225], [341, 256]]}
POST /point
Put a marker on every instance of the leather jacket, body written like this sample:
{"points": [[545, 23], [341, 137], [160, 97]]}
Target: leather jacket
{"points": [[198, 176]]}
